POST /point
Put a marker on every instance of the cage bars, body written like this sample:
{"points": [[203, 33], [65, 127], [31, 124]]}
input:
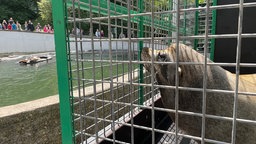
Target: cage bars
{"points": [[115, 62], [152, 71], [205, 71], [177, 19], [123, 11], [79, 59], [81, 129], [130, 71], [238, 59]]}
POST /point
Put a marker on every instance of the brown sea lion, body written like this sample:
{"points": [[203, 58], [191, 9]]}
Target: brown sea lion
{"points": [[217, 103]]}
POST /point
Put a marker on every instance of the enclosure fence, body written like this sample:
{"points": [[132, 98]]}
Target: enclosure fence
{"points": [[106, 96]]}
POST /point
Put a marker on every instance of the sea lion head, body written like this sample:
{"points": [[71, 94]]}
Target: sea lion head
{"points": [[164, 72]]}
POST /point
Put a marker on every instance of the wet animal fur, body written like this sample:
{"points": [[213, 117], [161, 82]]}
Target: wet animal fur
{"points": [[217, 103]]}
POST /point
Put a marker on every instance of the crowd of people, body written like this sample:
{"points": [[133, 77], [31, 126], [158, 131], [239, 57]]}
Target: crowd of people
{"points": [[99, 33], [11, 25]]}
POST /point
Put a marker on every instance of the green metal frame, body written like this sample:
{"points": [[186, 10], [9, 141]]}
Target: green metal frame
{"points": [[140, 35], [213, 31], [214, 14], [170, 19], [115, 9], [59, 16], [185, 20], [196, 25]]}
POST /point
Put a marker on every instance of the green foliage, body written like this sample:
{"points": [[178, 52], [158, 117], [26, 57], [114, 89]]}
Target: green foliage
{"points": [[163, 4], [19, 10], [45, 11], [81, 14]]}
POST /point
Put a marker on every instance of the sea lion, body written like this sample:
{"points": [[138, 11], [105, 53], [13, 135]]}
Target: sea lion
{"points": [[217, 103]]}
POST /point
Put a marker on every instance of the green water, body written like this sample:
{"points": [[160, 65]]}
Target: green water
{"points": [[21, 83]]}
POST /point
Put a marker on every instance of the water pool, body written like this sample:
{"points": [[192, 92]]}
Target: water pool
{"points": [[21, 83]]}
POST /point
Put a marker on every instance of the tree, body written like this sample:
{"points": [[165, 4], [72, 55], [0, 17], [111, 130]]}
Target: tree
{"points": [[22, 10], [45, 10]]}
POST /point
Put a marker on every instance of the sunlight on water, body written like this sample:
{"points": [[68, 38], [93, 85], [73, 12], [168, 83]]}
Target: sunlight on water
{"points": [[21, 83]]}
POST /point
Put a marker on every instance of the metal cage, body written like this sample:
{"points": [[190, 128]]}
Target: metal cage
{"points": [[106, 96]]}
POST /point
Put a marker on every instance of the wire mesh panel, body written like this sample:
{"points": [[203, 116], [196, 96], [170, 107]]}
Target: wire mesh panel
{"points": [[106, 96]]}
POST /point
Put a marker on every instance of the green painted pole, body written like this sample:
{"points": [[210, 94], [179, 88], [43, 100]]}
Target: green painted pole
{"points": [[141, 35], [185, 21], [59, 19], [213, 31], [170, 26], [196, 26]]}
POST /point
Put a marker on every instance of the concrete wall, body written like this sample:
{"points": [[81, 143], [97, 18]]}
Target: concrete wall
{"points": [[120, 45], [20, 41], [103, 44], [17, 41]]}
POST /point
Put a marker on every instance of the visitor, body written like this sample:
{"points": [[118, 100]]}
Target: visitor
{"points": [[121, 35], [102, 33], [9, 26], [4, 25], [1, 26], [14, 26], [38, 27], [26, 26], [132, 34], [45, 29], [30, 26], [18, 26], [10, 21], [49, 28], [75, 31], [97, 33]]}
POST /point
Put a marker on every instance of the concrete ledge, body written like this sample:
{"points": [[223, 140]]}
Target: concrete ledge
{"points": [[28, 106]]}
